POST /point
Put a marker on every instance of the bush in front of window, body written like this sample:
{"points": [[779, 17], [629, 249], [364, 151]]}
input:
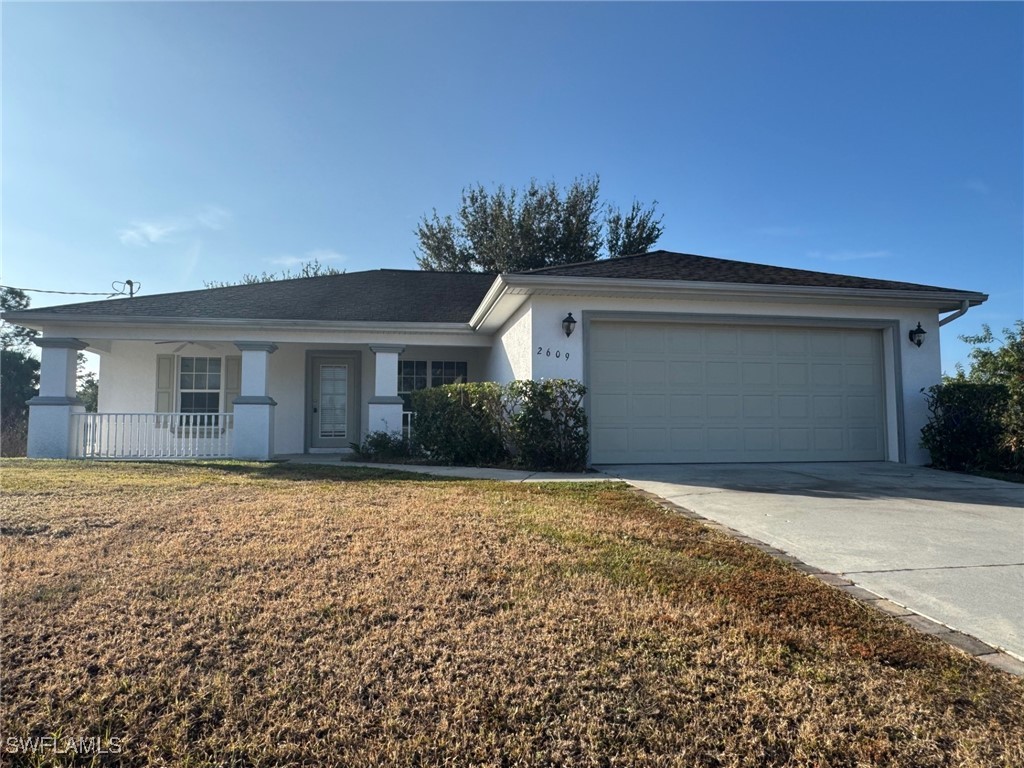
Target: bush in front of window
{"points": [[536, 425], [461, 424]]}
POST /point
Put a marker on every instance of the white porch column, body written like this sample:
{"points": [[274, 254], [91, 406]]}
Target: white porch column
{"points": [[254, 407], [49, 414], [385, 405]]}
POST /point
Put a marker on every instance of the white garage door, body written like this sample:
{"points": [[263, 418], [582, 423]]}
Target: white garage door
{"points": [[672, 392]]}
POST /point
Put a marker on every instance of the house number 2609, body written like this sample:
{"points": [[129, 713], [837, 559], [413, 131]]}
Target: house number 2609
{"points": [[547, 352]]}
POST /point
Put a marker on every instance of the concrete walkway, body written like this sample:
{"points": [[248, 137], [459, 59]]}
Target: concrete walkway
{"points": [[949, 547], [470, 473]]}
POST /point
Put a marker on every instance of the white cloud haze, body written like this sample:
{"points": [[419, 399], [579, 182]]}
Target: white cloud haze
{"points": [[146, 233], [323, 255]]}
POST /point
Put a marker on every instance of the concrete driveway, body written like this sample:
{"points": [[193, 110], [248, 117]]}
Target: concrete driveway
{"points": [[949, 547]]}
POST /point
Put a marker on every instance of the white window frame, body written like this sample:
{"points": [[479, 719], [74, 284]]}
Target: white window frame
{"points": [[428, 376], [456, 378], [183, 424]]}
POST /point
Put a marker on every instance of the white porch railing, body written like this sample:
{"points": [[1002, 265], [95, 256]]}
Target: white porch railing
{"points": [[407, 417], [151, 435]]}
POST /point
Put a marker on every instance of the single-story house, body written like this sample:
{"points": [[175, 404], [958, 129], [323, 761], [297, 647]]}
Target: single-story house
{"points": [[685, 358]]}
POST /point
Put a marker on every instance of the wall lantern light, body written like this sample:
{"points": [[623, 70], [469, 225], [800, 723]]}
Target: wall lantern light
{"points": [[917, 335], [569, 325]]}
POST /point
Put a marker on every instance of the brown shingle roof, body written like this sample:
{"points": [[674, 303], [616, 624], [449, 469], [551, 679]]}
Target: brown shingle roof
{"points": [[667, 265], [384, 295], [413, 296]]}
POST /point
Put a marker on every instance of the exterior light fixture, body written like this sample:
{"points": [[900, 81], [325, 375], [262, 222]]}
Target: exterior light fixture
{"points": [[569, 325], [917, 335]]}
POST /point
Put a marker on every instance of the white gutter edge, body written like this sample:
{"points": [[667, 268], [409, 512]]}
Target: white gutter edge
{"points": [[530, 284], [533, 282], [964, 306], [487, 304], [62, 319]]}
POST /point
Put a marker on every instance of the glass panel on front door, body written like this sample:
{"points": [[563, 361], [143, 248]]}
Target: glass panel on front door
{"points": [[333, 405]]}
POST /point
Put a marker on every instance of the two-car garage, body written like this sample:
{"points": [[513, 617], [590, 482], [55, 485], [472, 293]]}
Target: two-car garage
{"points": [[705, 392]]}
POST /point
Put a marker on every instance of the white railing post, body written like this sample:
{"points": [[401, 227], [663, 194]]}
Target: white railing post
{"points": [[76, 440], [151, 435]]}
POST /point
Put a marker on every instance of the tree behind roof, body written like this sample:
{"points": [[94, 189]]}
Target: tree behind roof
{"points": [[14, 336], [313, 268], [510, 230]]}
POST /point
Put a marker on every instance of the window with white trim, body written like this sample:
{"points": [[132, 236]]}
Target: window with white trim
{"points": [[447, 372], [412, 375], [199, 389]]}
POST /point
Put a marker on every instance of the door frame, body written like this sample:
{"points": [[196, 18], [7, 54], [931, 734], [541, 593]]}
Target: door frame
{"points": [[352, 359]]}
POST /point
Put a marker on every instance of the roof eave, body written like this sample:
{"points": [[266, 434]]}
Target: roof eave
{"points": [[38, 319], [539, 284], [512, 285], [489, 301]]}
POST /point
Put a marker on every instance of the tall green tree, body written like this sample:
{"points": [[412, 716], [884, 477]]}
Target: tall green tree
{"points": [[1001, 362], [19, 381], [634, 232], [88, 386], [511, 230], [14, 336], [19, 376]]}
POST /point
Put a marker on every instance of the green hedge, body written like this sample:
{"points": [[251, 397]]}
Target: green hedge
{"points": [[990, 398], [966, 428], [460, 424], [548, 424], [538, 425]]}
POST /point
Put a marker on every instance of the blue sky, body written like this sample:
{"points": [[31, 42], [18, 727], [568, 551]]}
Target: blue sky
{"points": [[174, 143]]}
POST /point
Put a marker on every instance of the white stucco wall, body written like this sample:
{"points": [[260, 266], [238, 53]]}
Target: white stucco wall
{"points": [[287, 385], [128, 373], [914, 368], [123, 371], [530, 344], [128, 379], [510, 355]]}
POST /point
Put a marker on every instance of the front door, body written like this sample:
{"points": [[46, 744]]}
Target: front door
{"points": [[331, 416]]}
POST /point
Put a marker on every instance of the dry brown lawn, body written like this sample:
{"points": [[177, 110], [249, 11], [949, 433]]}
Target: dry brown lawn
{"points": [[234, 614]]}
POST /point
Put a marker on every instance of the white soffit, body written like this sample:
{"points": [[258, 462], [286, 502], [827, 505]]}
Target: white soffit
{"points": [[510, 292]]}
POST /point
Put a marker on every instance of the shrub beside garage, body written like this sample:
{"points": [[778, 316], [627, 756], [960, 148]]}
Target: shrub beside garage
{"points": [[976, 420]]}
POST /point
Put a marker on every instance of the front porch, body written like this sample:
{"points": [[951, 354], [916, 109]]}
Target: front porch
{"points": [[215, 399], [171, 436]]}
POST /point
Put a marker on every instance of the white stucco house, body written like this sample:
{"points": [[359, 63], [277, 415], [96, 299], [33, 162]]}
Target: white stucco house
{"points": [[685, 358]]}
